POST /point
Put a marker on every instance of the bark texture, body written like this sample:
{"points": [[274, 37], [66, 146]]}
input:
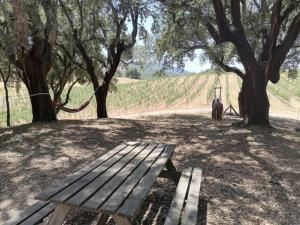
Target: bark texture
{"points": [[36, 65], [5, 84], [253, 99], [261, 65]]}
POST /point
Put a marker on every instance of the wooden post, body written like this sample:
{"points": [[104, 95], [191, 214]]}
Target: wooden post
{"points": [[59, 215], [121, 220], [102, 219], [171, 172]]}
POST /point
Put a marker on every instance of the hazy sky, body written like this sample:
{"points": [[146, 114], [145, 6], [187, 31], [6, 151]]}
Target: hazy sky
{"points": [[196, 65], [192, 66]]}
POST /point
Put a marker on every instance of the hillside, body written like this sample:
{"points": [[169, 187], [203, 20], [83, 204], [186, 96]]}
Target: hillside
{"points": [[170, 93], [148, 71], [196, 91]]}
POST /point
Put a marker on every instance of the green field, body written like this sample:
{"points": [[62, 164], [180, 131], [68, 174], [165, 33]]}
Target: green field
{"points": [[147, 95]]}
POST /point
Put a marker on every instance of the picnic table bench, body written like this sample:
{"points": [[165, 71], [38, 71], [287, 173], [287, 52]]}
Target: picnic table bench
{"points": [[116, 185]]}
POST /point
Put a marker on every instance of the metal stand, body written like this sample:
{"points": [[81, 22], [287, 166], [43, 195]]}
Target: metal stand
{"points": [[231, 109]]}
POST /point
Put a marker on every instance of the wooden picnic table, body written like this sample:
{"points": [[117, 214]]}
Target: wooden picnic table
{"points": [[116, 184]]}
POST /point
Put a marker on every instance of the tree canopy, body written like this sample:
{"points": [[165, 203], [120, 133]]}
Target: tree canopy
{"points": [[52, 43], [259, 35]]}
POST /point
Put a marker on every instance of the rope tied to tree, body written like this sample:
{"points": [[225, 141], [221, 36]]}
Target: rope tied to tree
{"points": [[39, 94], [61, 106], [82, 107]]}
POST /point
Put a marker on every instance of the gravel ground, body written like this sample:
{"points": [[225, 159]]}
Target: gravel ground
{"points": [[250, 176]]}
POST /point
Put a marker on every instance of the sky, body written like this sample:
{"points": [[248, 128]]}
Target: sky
{"points": [[195, 65], [190, 65]]}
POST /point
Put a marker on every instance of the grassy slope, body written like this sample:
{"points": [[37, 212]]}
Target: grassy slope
{"points": [[169, 92]]}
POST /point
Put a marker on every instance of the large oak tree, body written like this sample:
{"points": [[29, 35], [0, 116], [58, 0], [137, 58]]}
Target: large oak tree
{"points": [[27, 35], [103, 31], [259, 35]]}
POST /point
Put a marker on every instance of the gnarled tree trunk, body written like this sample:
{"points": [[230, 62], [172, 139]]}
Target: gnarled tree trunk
{"points": [[101, 97], [36, 65], [7, 104], [5, 84], [254, 100]]}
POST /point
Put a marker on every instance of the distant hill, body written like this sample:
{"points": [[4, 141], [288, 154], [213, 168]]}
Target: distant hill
{"points": [[151, 69], [148, 71]]}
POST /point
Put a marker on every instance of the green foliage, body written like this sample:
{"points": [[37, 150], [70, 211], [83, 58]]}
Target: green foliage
{"points": [[159, 74], [133, 73], [186, 26], [286, 88], [292, 73]]}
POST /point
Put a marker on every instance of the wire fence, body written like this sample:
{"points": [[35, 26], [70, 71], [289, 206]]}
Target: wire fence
{"points": [[20, 110], [131, 98]]}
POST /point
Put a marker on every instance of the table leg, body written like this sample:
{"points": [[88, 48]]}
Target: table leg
{"points": [[59, 215], [170, 166], [171, 172], [121, 220], [102, 219]]}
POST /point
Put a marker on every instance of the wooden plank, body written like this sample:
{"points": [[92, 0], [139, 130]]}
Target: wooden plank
{"points": [[60, 185], [104, 192], [26, 213], [119, 220], [123, 155], [59, 215], [174, 213], [114, 201], [97, 183], [189, 216], [40, 215], [132, 205]]}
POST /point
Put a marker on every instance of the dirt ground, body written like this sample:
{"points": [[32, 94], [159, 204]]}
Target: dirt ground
{"points": [[250, 176]]}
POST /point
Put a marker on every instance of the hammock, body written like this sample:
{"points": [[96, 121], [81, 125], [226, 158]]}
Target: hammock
{"points": [[68, 110], [62, 107]]}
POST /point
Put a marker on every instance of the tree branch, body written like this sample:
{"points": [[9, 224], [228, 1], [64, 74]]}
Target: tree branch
{"points": [[50, 8], [80, 5], [286, 13], [215, 34], [68, 54], [134, 13], [279, 53], [273, 35], [222, 22], [236, 17], [69, 92], [65, 10], [227, 68]]}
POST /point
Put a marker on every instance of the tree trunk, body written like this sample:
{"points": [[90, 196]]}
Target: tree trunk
{"points": [[101, 97], [35, 71], [241, 100], [7, 104], [256, 103]]}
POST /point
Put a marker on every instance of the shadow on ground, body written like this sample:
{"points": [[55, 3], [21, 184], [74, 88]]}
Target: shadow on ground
{"points": [[250, 176]]}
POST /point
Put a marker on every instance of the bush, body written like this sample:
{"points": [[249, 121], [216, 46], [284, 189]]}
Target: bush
{"points": [[159, 74], [133, 73]]}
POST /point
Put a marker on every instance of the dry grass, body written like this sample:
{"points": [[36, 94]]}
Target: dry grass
{"points": [[126, 80], [251, 176]]}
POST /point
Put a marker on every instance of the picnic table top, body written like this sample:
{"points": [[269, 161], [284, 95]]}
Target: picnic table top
{"points": [[115, 183]]}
